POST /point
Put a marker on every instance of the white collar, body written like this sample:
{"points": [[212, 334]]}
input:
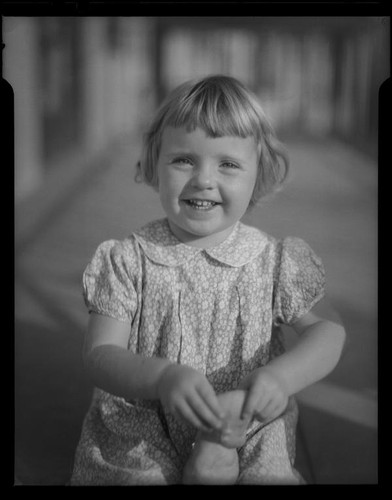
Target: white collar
{"points": [[160, 245]]}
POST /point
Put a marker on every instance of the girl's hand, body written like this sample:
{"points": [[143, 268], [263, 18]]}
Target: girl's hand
{"points": [[266, 396], [187, 393]]}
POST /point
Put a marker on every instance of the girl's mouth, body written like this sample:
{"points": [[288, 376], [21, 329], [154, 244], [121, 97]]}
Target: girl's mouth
{"points": [[201, 204]]}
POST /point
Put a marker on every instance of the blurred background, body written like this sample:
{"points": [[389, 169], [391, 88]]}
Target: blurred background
{"points": [[84, 90]]}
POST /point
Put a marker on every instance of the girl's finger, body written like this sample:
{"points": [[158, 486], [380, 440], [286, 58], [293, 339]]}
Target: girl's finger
{"points": [[208, 395], [186, 412], [203, 411], [268, 411], [252, 402]]}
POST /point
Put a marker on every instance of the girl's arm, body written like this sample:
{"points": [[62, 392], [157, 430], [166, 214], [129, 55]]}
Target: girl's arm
{"points": [[315, 354], [113, 368]]}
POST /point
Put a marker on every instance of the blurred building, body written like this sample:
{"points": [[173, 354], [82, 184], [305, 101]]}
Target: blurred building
{"points": [[82, 83], [313, 75], [79, 84]]}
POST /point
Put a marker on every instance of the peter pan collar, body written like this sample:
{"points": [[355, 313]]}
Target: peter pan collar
{"points": [[161, 246]]}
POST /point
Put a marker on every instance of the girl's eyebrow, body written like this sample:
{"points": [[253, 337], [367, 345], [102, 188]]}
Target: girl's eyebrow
{"points": [[179, 152], [220, 156]]}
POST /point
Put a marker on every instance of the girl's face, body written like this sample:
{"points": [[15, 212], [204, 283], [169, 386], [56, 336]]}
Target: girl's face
{"points": [[205, 184]]}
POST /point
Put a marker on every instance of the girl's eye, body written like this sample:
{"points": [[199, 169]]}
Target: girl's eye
{"points": [[182, 160], [229, 164]]}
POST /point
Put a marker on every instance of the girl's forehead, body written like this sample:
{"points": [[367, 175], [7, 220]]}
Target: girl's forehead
{"points": [[197, 141], [172, 136]]}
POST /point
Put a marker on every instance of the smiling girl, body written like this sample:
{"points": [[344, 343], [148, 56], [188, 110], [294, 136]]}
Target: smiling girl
{"points": [[193, 383]]}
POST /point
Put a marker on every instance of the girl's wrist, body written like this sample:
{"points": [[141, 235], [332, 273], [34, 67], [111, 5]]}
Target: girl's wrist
{"points": [[279, 377], [160, 376]]}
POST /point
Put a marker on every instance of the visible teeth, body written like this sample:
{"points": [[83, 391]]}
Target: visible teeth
{"points": [[202, 203]]}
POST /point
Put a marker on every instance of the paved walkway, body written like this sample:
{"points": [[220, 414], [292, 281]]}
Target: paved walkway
{"points": [[330, 201]]}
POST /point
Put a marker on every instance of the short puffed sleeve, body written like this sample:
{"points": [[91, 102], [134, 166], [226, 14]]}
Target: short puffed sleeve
{"points": [[299, 280], [108, 284]]}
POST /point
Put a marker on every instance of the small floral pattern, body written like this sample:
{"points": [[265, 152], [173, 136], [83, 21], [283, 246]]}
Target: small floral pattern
{"points": [[217, 310]]}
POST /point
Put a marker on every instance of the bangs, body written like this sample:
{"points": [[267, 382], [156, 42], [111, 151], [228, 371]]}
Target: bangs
{"points": [[219, 108]]}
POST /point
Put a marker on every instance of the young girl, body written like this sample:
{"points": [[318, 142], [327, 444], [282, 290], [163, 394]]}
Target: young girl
{"points": [[193, 384]]}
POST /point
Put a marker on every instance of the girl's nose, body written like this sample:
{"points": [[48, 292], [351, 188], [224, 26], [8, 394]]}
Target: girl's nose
{"points": [[203, 177]]}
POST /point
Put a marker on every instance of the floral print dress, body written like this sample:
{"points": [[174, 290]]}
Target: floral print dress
{"points": [[217, 310]]}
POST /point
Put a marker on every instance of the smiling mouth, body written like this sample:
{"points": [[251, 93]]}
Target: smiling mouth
{"points": [[201, 204]]}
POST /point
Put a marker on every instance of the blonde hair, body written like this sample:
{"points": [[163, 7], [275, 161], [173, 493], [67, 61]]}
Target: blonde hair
{"points": [[221, 106]]}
